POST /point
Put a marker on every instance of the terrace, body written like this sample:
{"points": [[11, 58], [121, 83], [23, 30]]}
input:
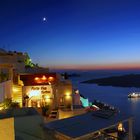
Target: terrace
{"points": [[92, 126]]}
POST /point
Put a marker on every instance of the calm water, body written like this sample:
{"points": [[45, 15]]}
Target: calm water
{"points": [[115, 96]]}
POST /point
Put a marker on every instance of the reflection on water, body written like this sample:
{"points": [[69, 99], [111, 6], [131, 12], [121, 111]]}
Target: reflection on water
{"points": [[134, 100], [134, 103]]}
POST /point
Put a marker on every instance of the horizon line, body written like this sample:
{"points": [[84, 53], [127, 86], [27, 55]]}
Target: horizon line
{"points": [[118, 66], [93, 69]]}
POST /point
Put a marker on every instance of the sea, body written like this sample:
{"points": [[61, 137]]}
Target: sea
{"points": [[115, 96]]}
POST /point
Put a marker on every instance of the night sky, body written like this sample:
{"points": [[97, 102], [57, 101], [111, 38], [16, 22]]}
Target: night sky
{"points": [[85, 34]]}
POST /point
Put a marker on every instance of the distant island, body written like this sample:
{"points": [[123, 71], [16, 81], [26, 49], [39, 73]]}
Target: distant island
{"points": [[66, 75], [74, 75], [131, 80]]}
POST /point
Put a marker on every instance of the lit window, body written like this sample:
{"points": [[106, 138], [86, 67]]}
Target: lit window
{"points": [[34, 93], [67, 93]]}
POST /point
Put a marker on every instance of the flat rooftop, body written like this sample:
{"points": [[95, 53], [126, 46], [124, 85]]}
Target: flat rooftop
{"points": [[85, 124], [18, 112]]}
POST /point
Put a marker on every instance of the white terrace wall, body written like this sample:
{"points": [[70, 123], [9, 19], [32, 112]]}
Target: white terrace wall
{"points": [[5, 90], [7, 131]]}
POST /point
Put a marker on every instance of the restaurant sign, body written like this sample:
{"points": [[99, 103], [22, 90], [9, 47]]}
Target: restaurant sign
{"points": [[43, 89]]}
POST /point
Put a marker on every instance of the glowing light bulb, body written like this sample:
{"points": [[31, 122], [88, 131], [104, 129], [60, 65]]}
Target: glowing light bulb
{"points": [[44, 77], [36, 78]]}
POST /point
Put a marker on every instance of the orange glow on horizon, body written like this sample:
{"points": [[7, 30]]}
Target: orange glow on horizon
{"points": [[115, 66]]}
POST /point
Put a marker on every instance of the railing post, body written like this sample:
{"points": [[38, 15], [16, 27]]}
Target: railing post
{"points": [[130, 133]]}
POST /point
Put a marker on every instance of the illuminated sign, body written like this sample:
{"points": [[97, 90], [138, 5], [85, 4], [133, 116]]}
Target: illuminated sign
{"points": [[43, 89]]}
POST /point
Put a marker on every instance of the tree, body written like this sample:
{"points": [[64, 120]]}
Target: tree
{"points": [[3, 77], [7, 103], [28, 62]]}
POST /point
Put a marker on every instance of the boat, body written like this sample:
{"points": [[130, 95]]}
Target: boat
{"points": [[134, 95]]}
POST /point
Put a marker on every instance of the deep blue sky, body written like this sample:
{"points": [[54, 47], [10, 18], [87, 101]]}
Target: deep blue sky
{"points": [[77, 33]]}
